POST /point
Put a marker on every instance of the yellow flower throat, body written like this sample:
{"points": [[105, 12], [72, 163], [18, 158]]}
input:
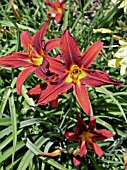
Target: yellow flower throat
{"points": [[75, 74], [35, 58]]}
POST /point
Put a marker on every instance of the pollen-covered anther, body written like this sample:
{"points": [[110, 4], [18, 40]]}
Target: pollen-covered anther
{"points": [[75, 72]]}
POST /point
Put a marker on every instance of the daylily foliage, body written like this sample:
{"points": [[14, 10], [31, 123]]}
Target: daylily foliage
{"points": [[68, 70]]}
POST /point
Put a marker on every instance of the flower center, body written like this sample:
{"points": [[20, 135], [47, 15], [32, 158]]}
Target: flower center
{"points": [[34, 57], [75, 74], [86, 136], [59, 10]]}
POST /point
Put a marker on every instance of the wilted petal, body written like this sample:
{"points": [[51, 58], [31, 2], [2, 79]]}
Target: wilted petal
{"points": [[83, 149], [98, 78], [92, 124], [25, 39], [22, 77], [51, 154], [82, 97], [103, 134], [96, 148], [52, 91], [70, 50], [51, 44], [72, 136], [91, 53]]}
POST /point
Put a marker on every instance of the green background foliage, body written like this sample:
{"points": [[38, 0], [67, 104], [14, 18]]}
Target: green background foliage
{"points": [[27, 129]]}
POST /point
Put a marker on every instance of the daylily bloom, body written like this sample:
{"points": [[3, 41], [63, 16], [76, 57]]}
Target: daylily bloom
{"points": [[87, 135], [73, 72], [57, 9], [34, 59]]}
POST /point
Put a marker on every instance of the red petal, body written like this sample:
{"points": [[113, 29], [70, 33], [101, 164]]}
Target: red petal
{"points": [[22, 77], [58, 17], [70, 50], [36, 91], [25, 39], [81, 94], [96, 148], [52, 91], [81, 126], [83, 149], [37, 39], [14, 60], [98, 78], [51, 4], [51, 44], [91, 53], [54, 103], [72, 136], [92, 124], [55, 65], [103, 134], [41, 74], [58, 3], [76, 160]]}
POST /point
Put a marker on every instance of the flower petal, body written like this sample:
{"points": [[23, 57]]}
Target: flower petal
{"points": [[52, 154], [55, 65], [92, 124], [91, 53], [15, 59], [51, 4], [36, 91], [70, 50], [22, 77], [76, 160], [53, 90], [96, 78], [25, 39], [37, 39], [83, 149], [51, 44], [96, 148], [58, 17], [72, 136], [41, 74], [81, 125], [103, 134], [81, 94], [54, 103]]}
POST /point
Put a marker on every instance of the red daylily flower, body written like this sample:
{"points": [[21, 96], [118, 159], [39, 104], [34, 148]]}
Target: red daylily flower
{"points": [[73, 72], [57, 9], [34, 59], [87, 136]]}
